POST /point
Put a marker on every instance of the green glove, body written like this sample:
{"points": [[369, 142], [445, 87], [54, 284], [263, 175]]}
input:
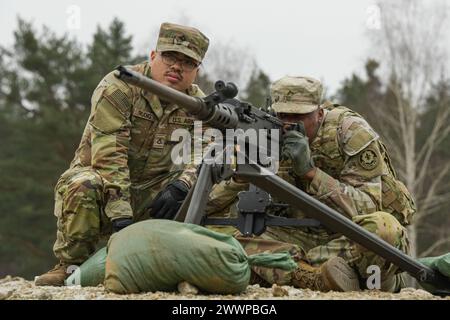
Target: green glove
{"points": [[296, 148]]}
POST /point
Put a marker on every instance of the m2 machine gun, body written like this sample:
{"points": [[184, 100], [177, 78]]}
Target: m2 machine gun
{"points": [[222, 111]]}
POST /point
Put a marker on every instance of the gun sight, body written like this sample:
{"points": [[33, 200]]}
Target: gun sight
{"points": [[229, 90]]}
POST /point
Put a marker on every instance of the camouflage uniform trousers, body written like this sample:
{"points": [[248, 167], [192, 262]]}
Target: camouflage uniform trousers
{"points": [[79, 209], [318, 246]]}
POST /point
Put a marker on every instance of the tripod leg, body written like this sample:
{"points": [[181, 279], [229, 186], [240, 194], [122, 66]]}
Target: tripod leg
{"points": [[210, 173], [200, 194], [181, 214]]}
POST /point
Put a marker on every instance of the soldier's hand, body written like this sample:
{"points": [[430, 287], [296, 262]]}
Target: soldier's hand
{"points": [[169, 200], [121, 223], [296, 149]]}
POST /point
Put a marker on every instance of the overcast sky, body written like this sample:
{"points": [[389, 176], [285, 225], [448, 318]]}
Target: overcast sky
{"points": [[326, 39]]}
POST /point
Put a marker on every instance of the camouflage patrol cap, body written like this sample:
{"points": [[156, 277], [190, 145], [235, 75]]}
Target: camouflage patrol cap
{"points": [[186, 40], [296, 94]]}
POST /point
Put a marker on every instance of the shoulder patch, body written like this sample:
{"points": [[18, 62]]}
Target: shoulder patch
{"points": [[111, 111], [368, 159], [118, 99], [356, 134]]}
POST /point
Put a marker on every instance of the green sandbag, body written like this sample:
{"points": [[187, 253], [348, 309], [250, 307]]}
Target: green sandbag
{"points": [[156, 255], [91, 273], [440, 264]]}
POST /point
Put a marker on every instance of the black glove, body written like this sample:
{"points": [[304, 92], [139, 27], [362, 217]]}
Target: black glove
{"points": [[169, 200], [120, 223], [296, 148]]}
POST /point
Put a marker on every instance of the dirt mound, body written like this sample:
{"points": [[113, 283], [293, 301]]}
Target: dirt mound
{"points": [[15, 288]]}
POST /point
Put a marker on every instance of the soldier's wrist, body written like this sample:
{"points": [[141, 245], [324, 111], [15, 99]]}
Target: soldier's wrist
{"points": [[121, 218], [187, 182]]}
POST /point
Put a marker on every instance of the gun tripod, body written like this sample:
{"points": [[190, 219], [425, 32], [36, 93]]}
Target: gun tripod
{"points": [[252, 205]]}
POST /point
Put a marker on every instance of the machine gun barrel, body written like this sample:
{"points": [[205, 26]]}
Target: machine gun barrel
{"points": [[210, 110], [193, 105]]}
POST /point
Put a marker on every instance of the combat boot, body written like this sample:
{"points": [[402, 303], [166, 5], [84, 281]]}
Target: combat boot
{"points": [[333, 275], [256, 279], [54, 277]]}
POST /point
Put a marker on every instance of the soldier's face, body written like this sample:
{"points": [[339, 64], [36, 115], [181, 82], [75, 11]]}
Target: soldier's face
{"points": [[175, 76], [311, 121]]}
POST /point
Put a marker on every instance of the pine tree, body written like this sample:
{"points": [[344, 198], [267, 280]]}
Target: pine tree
{"points": [[45, 91], [257, 90], [110, 48]]}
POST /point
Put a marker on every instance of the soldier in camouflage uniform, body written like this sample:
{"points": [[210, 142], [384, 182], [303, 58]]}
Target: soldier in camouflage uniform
{"points": [[340, 160], [123, 164]]}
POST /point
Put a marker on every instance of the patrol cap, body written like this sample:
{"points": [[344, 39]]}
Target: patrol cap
{"points": [[186, 40], [296, 94]]}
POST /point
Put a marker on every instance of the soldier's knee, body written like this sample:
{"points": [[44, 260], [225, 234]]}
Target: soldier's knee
{"points": [[82, 189], [77, 205], [385, 225]]}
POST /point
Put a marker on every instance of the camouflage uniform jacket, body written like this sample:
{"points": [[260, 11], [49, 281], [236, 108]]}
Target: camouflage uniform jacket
{"points": [[127, 140], [354, 173]]}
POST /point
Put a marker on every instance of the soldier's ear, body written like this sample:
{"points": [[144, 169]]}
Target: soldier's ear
{"points": [[197, 73], [152, 55], [321, 113]]}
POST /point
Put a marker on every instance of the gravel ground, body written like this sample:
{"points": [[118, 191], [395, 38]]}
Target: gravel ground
{"points": [[15, 288]]}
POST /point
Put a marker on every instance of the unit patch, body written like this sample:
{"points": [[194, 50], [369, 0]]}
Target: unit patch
{"points": [[368, 159], [159, 141]]}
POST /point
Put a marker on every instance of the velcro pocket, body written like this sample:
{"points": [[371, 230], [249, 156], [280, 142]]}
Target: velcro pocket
{"points": [[356, 135], [397, 200]]}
